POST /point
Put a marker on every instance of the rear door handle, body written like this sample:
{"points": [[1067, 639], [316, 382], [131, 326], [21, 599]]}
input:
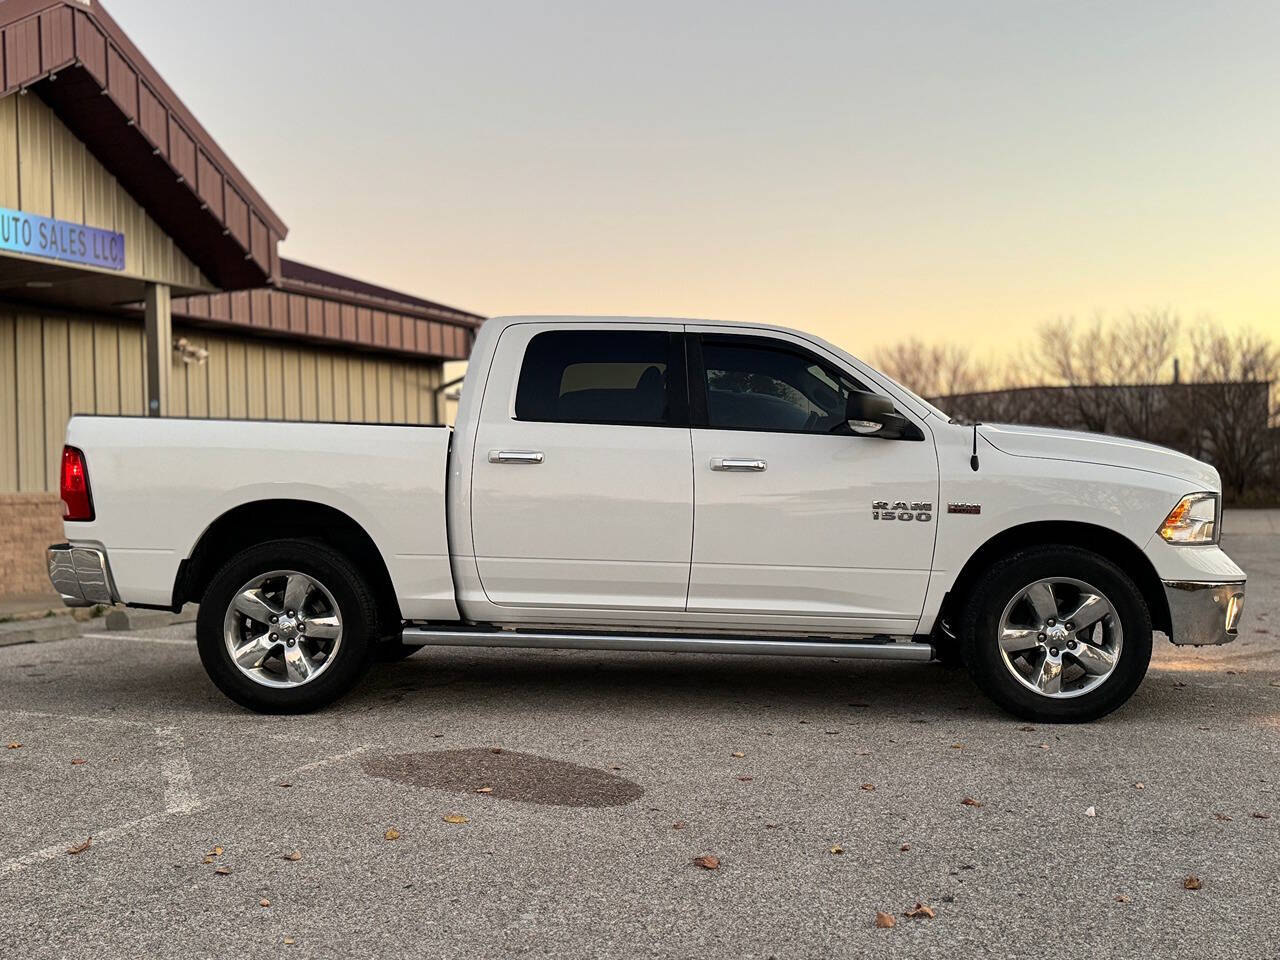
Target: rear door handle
{"points": [[738, 464], [515, 456]]}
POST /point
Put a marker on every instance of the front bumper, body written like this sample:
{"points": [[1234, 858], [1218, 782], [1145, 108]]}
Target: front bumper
{"points": [[1202, 614], [81, 575]]}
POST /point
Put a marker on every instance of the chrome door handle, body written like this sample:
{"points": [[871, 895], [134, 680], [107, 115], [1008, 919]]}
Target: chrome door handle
{"points": [[515, 456], [738, 464]]}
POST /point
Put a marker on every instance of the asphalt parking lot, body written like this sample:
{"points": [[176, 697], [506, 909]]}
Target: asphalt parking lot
{"points": [[828, 791]]}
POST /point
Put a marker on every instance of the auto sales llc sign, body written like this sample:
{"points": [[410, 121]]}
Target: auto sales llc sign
{"points": [[60, 240]]}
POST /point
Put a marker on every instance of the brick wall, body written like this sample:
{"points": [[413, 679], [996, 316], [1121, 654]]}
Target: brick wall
{"points": [[29, 522]]}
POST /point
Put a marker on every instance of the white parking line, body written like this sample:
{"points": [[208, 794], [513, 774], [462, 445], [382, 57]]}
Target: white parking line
{"points": [[124, 635], [132, 828]]}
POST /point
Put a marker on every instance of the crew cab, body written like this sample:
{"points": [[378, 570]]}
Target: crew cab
{"points": [[658, 485]]}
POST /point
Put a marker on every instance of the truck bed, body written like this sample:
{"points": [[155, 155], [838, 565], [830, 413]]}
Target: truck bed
{"points": [[159, 483]]}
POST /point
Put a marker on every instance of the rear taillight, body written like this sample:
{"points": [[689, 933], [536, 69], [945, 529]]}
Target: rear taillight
{"points": [[76, 498]]}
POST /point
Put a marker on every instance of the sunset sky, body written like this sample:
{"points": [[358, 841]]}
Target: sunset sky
{"points": [[869, 171]]}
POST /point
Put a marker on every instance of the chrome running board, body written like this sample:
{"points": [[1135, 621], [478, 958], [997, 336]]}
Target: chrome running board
{"points": [[887, 650]]}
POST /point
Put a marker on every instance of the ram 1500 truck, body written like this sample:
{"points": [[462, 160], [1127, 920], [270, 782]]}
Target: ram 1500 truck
{"points": [[660, 485]]}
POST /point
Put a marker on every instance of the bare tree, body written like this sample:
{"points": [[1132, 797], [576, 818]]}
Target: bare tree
{"points": [[1131, 357], [1225, 413], [933, 370]]}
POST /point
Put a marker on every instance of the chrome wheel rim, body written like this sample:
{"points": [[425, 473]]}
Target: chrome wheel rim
{"points": [[282, 629], [1060, 637]]}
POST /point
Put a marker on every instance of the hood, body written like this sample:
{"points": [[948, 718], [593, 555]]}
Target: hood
{"points": [[1076, 445]]}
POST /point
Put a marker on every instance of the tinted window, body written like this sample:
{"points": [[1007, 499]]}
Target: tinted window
{"points": [[595, 376], [755, 385]]}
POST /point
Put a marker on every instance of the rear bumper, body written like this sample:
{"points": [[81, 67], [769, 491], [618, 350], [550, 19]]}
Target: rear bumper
{"points": [[81, 575], [1204, 614]]}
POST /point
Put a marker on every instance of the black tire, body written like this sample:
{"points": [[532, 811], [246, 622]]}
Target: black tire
{"points": [[980, 630], [355, 605]]}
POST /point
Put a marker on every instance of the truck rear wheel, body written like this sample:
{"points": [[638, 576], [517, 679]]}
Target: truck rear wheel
{"points": [[286, 627], [1057, 634]]}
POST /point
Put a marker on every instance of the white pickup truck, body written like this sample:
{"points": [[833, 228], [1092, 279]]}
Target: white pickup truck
{"points": [[660, 485]]}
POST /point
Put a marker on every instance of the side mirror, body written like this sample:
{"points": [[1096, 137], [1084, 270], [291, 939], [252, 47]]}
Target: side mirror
{"points": [[871, 415]]}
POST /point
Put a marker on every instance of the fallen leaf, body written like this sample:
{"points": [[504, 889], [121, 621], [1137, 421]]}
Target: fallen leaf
{"points": [[295, 856], [484, 789], [884, 920], [1123, 898], [868, 786], [1091, 812], [1026, 728], [1222, 818], [215, 852], [738, 753], [957, 746], [290, 940], [14, 745], [1139, 785], [495, 749], [679, 825], [284, 784], [1192, 882], [837, 849], [920, 912], [264, 902], [222, 871], [80, 848], [392, 834], [707, 863], [746, 779], [905, 847], [970, 802], [78, 761], [771, 826], [1044, 746], [455, 818], [207, 860], [1260, 816]]}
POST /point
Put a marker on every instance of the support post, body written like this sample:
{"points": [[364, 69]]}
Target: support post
{"points": [[159, 336]]}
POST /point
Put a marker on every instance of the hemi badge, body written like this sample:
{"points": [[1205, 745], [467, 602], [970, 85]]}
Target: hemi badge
{"points": [[964, 508]]}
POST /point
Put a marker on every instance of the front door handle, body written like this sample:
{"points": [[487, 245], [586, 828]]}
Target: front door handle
{"points": [[738, 464], [515, 456]]}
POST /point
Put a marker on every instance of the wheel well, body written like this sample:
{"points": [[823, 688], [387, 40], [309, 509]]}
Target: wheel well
{"points": [[1116, 547], [264, 520]]}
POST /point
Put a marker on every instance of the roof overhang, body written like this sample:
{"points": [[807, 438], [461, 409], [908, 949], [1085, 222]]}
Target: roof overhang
{"points": [[78, 60]]}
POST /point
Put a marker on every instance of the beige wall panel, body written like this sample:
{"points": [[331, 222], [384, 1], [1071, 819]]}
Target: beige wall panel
{"points": [[384, 391], [216, 366], [68, 174], [57, 395], [177, 386], [133, 365], [341, 389], [106, 366], [324, 386], [9, 152], [46, 170], [35, 184], [256, 379], [412, 387], [308, 382], [8, 401], [398, 393], [197, 380], [369, 370], [30, 393], [274, 374], [290, 385], [355, 389], [237, 386], [84, 397]]}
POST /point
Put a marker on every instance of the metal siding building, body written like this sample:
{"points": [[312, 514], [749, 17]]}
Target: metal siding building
{"points": [[139, 272]]}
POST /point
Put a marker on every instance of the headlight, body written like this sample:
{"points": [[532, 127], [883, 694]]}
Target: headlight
{"points": [[1193, 520]]}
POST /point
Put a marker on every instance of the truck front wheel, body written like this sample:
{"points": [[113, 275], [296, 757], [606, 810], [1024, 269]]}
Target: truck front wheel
{"points": [[286, 627], [1057, 634]]}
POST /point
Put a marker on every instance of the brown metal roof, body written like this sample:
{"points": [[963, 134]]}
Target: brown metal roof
{"points": [[324, 307], [79, 61]]}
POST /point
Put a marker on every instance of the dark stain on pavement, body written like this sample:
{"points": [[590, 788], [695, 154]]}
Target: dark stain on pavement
{"points": [[509, 774]]}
